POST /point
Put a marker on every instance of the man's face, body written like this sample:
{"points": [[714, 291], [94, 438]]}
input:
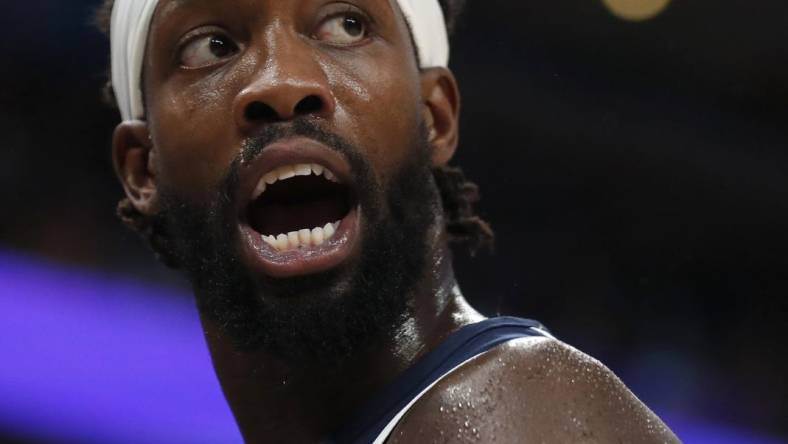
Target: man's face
{"points": [[243, 94], [205, 99]]}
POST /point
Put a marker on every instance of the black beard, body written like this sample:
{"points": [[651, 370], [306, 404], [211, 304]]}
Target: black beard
{"points": [[326, 317]]}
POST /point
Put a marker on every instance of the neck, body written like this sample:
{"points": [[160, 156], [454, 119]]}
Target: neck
{"points": [[275, 401]]}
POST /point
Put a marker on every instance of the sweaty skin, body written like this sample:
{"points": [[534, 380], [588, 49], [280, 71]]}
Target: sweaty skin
{"points": [[371, 93]]}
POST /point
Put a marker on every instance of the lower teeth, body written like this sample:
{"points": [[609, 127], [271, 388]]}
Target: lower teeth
{"points": [[303, 238]]}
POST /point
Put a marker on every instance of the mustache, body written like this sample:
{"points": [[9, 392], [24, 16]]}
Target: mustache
{"points": [[255, 144], [225, 192]]}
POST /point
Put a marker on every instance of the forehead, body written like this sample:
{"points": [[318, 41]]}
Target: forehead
{"points": [[166, 8]]}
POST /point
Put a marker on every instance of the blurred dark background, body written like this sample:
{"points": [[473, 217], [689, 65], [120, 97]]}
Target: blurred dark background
{"points": [[636, 174]]}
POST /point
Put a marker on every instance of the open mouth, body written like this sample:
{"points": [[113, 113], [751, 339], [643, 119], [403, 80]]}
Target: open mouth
{"points": [[299, 206], [303, 214]]}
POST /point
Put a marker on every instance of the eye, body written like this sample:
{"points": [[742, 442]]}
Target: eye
{"points": [[343, 29], [207, 50]]}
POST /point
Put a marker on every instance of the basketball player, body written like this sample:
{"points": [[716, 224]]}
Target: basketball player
{"points": [[291, 158]]}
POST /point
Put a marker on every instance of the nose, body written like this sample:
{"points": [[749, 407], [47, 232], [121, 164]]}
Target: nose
{"points": [[287, 83]]}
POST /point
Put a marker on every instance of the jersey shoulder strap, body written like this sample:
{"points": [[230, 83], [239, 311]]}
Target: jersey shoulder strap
{"points": [[375, 421]]}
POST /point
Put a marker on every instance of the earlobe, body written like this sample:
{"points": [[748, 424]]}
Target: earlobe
{"points": [[441, 99], [132, 156]]}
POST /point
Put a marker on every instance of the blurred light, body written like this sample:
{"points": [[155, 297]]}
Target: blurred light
{"points": [[94, 358], [636, 10], [697, 431]]}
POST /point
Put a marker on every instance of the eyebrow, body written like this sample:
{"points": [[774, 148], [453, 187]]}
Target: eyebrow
{"points": [[166, 9], [182, 3]]}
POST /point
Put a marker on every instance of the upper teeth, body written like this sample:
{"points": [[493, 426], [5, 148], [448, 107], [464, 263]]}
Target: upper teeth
{"points": [[289, 171]]}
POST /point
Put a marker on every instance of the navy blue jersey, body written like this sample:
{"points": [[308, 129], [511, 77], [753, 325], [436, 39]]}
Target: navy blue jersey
{"points": [[376, 419]]}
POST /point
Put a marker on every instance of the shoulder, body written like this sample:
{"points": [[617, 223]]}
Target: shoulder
{"points": [[531, 390]]}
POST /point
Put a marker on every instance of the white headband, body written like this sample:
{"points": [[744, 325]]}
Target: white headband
{"points": [[129, 36]]}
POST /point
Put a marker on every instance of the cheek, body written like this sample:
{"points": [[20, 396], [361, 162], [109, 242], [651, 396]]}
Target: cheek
{"points": [[379, 109], [192, 135]]}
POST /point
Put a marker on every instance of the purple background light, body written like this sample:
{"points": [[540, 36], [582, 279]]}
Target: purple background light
{"points": [[703, 432], [98, 358]]}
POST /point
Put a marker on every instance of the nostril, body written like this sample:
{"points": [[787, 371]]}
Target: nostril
{"points": [[309, 105], [259, 111]]}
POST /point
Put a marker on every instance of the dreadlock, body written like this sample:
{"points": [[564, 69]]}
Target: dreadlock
{"points": [[463, 226]]}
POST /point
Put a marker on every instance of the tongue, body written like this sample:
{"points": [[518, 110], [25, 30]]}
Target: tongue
{"points": [[277, 218]]}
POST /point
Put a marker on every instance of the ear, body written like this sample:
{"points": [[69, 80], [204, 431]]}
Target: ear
{"points": [[441, 98], [132, 156]]}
